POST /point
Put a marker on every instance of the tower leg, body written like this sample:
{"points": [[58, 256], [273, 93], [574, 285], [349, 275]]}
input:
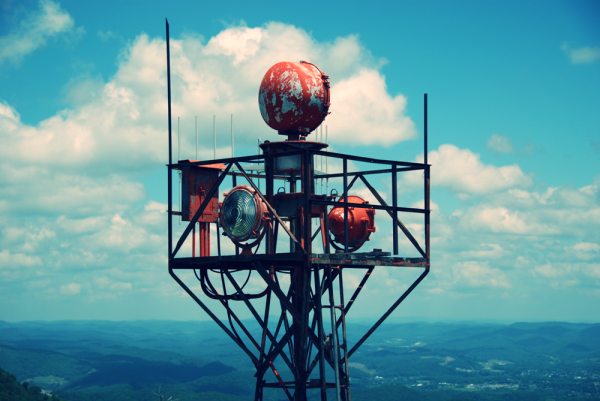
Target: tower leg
{"points": [[258, 395], [321, 345]]}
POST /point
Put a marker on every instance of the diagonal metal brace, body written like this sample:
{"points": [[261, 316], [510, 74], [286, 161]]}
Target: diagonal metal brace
{"points": [[287, 230], [275, 288], [200, 210], [214, 317], [398, 222], [284, 300], [260, 369], [389, 312], [256, 316]]}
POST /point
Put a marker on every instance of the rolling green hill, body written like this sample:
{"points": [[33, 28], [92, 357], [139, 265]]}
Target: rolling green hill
{"points": [[103, 361]]}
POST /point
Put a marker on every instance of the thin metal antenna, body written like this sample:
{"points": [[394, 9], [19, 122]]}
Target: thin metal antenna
{"points": [[179, 172], [426, 182], [232, 148], [215, 135], [258, 172], [321, 160], [326, 163], [170, 177], [196, 137]]}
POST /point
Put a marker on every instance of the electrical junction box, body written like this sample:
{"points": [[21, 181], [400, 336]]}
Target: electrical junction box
{"points": [[196, 182]]}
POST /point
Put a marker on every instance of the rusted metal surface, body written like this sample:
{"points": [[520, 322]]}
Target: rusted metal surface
{"points": [[294, 97], [196, 182], [283, 261], [361, 223]]}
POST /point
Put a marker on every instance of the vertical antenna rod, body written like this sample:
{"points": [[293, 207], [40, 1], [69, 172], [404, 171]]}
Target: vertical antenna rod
{"points": [[426, 177], [215, 134], [179, 172], [196, 137], [170, 183], [232, 148], [425, 126], [326, 161]]}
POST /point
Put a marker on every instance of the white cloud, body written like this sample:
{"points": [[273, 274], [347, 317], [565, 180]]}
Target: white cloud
{"points": [[363, 107], [119, 286], [501, 144], [479, 274], [74, 173], [462, 171], [38, 190], [9, 261], [70, 289], [121, 126], [586, 250], [33, 32], [549, 271], [592, 270], [503, 220], [556, 211], [581, 55], [486, 252]]}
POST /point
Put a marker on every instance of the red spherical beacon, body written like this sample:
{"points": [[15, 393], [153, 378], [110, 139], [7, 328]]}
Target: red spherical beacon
{"points": [[294, 97], [361, 223]]}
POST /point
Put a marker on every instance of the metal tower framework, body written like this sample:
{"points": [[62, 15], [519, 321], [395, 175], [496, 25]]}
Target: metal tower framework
{"points": [[299, 342]]}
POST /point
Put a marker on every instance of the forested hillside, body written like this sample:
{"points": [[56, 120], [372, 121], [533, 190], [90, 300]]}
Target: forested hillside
{"points": [[135, 361], [12, 390]]}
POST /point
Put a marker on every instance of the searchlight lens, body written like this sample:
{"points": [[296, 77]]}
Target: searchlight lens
{"points": [[239, 214]]}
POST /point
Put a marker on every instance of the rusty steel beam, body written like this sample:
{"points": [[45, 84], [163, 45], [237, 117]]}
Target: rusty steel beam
{"points": [[368, 172], [368, 159], [215, 318], [368, 206], [262, 324], [398, 222]]}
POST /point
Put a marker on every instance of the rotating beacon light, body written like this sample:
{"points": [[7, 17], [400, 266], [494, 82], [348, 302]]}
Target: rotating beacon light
{"points": [[361, 223], [243, 216]]}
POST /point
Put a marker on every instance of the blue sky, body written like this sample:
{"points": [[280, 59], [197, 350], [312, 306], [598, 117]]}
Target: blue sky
{"points": [[514, 143]]}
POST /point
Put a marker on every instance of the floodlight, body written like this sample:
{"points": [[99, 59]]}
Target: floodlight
{"points": [[242, 214]]}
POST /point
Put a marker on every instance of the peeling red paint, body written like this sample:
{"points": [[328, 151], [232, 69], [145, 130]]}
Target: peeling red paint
{"points": [[294, 97]]}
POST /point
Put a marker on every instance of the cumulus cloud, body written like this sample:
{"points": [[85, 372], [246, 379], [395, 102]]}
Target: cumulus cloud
{"points": [[479, 274], [503, 220], [73, 176], [33, 32], [585, 250], [501, 144], [556, 211], [365, 107], [10, 260], [462, 172], [581, 55], [122, 124], [70, 289]]}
